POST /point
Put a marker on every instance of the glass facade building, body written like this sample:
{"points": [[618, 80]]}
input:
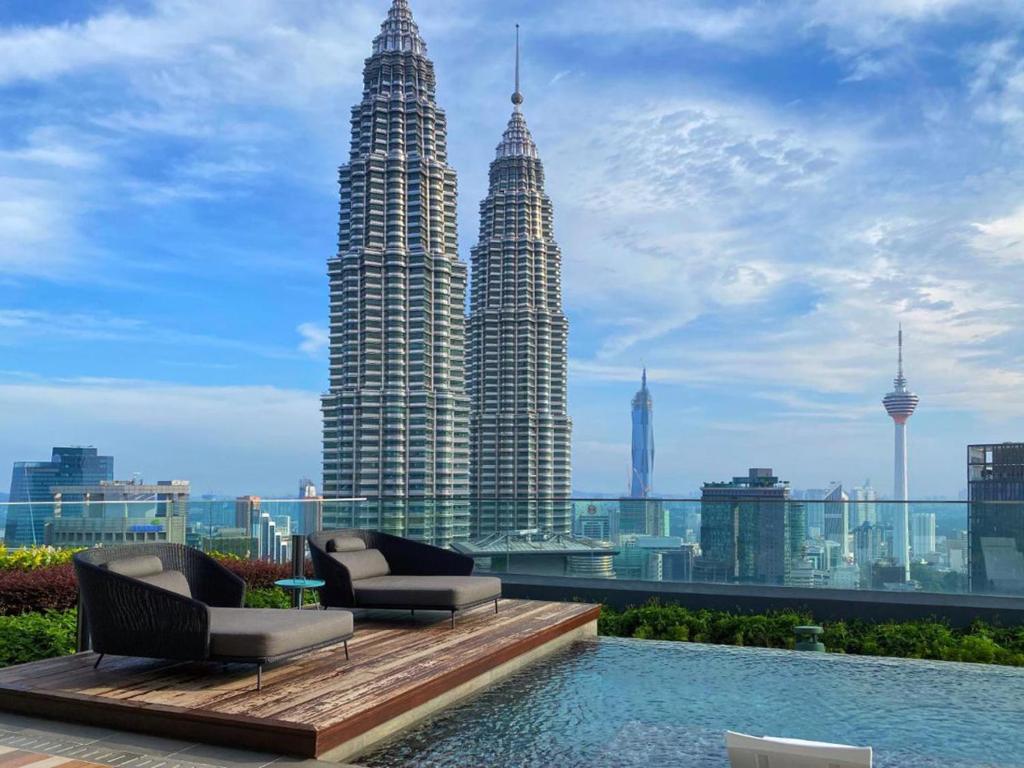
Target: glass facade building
{"points": [[995, 528], [32, 502], [751, 531]]}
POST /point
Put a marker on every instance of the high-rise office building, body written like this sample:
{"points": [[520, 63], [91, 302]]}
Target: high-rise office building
{"points": [[396, 416], [32, 484], [310, 517], [520, 431], [869, 545], [922, 534], [644, 517], [751, 531], [900, 404], [641, 476], [995, 518], [247, 512], [863, 508], [836, 520]]}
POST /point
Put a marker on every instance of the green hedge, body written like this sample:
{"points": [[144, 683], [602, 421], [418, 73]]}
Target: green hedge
{"points": [[33, 636], [979, 643]]}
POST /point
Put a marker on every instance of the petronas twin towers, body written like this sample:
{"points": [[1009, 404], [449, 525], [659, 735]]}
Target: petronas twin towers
{"points": [[446, 440]]}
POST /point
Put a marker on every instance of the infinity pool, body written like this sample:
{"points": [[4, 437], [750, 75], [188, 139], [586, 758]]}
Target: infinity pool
{"points": [[620, 703]]}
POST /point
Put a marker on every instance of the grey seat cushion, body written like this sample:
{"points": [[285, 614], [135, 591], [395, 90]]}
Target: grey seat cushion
{"points": [[363, 563], [136, 567], [432, 591], [173, 581], [262, 633]]}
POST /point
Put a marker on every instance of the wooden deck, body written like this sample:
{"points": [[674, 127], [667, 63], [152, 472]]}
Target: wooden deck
{"points": [[311, 706]]}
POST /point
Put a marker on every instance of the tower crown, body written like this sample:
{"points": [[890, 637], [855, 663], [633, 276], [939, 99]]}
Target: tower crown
{"points": [[399, 32], [517, 141], [901, 403]]}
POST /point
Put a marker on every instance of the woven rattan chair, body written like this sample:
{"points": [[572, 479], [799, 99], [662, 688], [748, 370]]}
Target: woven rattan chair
{"points": [[374, 570], [169, 601]]}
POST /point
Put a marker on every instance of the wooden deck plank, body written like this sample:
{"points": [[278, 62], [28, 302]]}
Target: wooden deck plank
{"points": [[308, 705]]}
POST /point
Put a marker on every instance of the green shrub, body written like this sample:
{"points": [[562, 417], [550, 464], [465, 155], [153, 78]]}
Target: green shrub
{"points": [[979, 643], [275, 597], [34, 636]]}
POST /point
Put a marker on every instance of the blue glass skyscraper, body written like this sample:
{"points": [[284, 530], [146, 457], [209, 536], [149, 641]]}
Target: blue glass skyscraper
{"points": [[31, 494], [642, 473]]}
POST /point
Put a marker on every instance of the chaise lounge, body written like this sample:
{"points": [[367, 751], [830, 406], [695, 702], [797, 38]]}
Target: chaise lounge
{"points": [[169, 601], [373, 570]]}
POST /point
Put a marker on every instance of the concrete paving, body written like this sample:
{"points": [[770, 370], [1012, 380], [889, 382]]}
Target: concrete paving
{"points": [[121, 749]]}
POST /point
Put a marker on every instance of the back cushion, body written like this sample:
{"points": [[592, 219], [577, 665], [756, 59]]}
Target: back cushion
{"points": [[345, 544], [136, 567], [173, 581], [363, 564]]}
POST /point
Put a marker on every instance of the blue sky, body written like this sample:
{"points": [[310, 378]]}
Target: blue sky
{"points": [[749, 197]]}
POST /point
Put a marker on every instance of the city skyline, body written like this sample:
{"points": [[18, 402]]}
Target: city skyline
{"points": [[747, 250]]}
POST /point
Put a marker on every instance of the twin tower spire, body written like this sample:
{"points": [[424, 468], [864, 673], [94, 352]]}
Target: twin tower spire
{"points": [[452, 427]]}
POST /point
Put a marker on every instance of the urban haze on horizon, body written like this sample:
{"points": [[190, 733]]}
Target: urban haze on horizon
{"points": [[747, 204]]}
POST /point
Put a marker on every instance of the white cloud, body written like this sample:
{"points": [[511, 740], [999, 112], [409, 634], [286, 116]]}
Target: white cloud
{"points": [[1002, 238], [314, 339]]}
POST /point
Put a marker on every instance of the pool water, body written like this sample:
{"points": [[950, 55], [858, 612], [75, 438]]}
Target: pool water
{"points": [[622, 703]]}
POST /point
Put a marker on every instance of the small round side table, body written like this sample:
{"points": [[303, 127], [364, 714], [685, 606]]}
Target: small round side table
{"points": [[300, 586]]}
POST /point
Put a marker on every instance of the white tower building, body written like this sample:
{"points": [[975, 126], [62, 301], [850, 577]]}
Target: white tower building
{"points": [[396, 418], [900, 404]]}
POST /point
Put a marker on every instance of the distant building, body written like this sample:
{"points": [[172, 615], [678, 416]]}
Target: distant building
{"points": [[311, 508], [995, 519], [247, 512], [643, 557], [836, 519], [122, 498], [641, 482], [273, 538], [677, 564], [862, 505], [956, 552], [597, 524], [870, 545], [751, 531], [98, 531], [922, 534], [118, 512], [644, 517], [31, 489], [542, 554]]}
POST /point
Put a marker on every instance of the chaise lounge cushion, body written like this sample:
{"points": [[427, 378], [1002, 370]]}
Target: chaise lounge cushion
{"points": [[363, 564], [446, 592], [263, 633]]}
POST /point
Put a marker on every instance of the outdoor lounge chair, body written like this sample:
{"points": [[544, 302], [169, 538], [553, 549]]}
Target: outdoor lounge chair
{"points": [[169, 601], [753, 752], [373, 570]]}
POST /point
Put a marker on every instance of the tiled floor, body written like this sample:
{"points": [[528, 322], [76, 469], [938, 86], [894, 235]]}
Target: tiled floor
{"points": [[30, 743]]}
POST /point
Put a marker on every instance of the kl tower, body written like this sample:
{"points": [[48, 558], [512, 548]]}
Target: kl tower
{"points": [[900, 404]]}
